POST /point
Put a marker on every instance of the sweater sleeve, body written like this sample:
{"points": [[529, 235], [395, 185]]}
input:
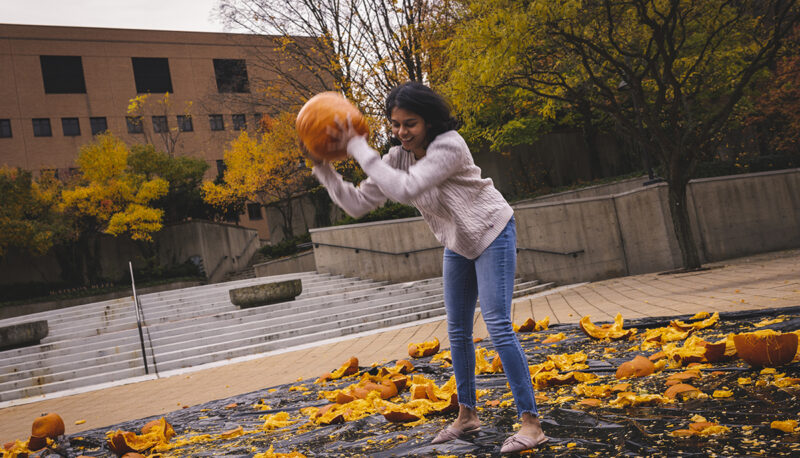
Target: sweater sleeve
{"points": [[441, 160], [355, 201]]}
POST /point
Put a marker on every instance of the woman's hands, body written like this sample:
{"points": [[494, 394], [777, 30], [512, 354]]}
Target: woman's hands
{"points": [[341, 134]]}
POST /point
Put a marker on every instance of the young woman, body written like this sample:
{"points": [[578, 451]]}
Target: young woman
{"points": [[432, 169]]}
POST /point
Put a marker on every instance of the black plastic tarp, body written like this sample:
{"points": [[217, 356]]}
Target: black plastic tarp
{"points": [[573, 431]]}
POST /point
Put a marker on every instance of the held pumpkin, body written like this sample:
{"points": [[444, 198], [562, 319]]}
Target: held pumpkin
{"points": [[319, 114]]}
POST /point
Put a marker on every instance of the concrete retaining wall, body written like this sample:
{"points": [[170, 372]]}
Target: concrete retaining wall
{"points": [[620, 234], [222, 248], [396, 237], [303, 262]]}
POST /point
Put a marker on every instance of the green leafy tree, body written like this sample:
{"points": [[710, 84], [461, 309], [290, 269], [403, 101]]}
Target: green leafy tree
{"points": [[29, 217], [684, 66]]}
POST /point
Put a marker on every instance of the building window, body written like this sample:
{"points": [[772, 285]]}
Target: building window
{"points": [[71, 127], [41, 127], [48, 173], [5, 128], [160, 124], [216, 121], [62, 75], [221, 167], [151, 75], [185, 123], [239, 122], [135, 124], [254, 211], [257, 120], [231, 75], [99, 125]]}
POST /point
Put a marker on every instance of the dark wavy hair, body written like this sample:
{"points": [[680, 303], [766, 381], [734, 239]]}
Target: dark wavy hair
{"points": [[424, 101]]}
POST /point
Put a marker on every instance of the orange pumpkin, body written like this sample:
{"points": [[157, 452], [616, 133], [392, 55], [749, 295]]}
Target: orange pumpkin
{"points": [[399, 416], [607, 331], [766, 348], [50, 425], [319, 114]]}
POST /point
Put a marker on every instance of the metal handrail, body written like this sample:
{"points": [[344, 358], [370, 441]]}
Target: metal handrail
{"points": [[370, 250], [138, 318], [574, 254]]}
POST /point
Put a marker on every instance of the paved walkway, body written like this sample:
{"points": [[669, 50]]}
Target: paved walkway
{"points": [[764, 281]]}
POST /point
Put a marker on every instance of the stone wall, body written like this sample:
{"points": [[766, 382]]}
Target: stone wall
{"points": [[619, 234]]}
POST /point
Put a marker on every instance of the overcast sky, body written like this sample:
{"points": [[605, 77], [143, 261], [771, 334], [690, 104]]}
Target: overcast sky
{"points": [[187, 15]]}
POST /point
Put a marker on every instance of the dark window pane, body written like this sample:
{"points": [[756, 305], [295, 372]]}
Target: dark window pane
{"points": [[221, 167], [5, 128], [99, 125], [48, 173], [231, 75], [185, 123], [135, 124], [41, 127], [216, 122], [239, 122], [151, 74], [71, 127], [160, 124], [257, 120], [254, 211], [62, 75]]}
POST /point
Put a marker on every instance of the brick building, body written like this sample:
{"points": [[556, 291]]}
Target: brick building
{"points": [[61, 85]]}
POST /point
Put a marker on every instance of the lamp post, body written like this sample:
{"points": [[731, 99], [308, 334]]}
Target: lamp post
{"points": [[623, 86]]}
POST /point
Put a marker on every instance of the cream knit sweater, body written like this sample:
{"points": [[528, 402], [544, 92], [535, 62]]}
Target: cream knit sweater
{"points": [[464, 211]]}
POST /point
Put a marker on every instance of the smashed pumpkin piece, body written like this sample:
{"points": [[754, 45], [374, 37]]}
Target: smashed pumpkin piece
{"points": [[607, 331], [681, 377], [154, 433], [555, 338], [348, 368], [638, 367], [270, 453], [697, 325], [277, 421], [684, 391], [482, 364], [526, 326], [549, 379], [787, 426], [766, 348], [421, 350], [629, 398]]}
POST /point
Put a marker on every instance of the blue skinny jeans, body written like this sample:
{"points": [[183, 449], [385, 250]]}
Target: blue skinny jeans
{"points": [[491, 277]]}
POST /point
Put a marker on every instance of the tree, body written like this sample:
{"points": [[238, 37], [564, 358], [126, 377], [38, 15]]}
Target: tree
{"points": [[29, 217], [268, 169], [776, 112], [161, 111], [362, 48], [684, 65], [112, 198]]}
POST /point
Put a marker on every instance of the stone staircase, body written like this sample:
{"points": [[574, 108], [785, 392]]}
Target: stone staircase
{"points": [[99, 343]]}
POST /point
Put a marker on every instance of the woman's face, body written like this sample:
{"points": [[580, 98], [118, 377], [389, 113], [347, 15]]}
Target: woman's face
{"points": [[410, 129]]}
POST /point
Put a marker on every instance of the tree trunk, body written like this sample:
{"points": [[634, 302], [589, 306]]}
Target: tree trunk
{"points": [[680, 220], [590, 138]]}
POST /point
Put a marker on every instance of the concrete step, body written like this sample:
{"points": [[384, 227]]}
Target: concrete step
{"points": [[198, 325]]}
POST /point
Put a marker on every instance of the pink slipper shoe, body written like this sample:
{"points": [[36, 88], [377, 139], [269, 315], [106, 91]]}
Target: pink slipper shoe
{"points": [[452, 433], [517, 443]]}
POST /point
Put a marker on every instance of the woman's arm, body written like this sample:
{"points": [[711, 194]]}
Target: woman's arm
{"points": [[355, 201], [443, 157]]}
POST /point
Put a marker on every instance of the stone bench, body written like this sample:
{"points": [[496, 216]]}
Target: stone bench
{"points": [[268, 293], [23, 334]]}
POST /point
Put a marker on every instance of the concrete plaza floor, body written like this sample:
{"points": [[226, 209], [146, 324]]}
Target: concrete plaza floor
{"points": [[764, 281]]}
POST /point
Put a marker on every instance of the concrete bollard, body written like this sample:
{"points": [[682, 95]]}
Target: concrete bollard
{"points": [[23, 334], [268, 293]]}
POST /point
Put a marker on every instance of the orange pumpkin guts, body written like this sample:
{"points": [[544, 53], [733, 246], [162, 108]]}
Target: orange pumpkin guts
{"points": [[320, 113], [607, 331]]}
